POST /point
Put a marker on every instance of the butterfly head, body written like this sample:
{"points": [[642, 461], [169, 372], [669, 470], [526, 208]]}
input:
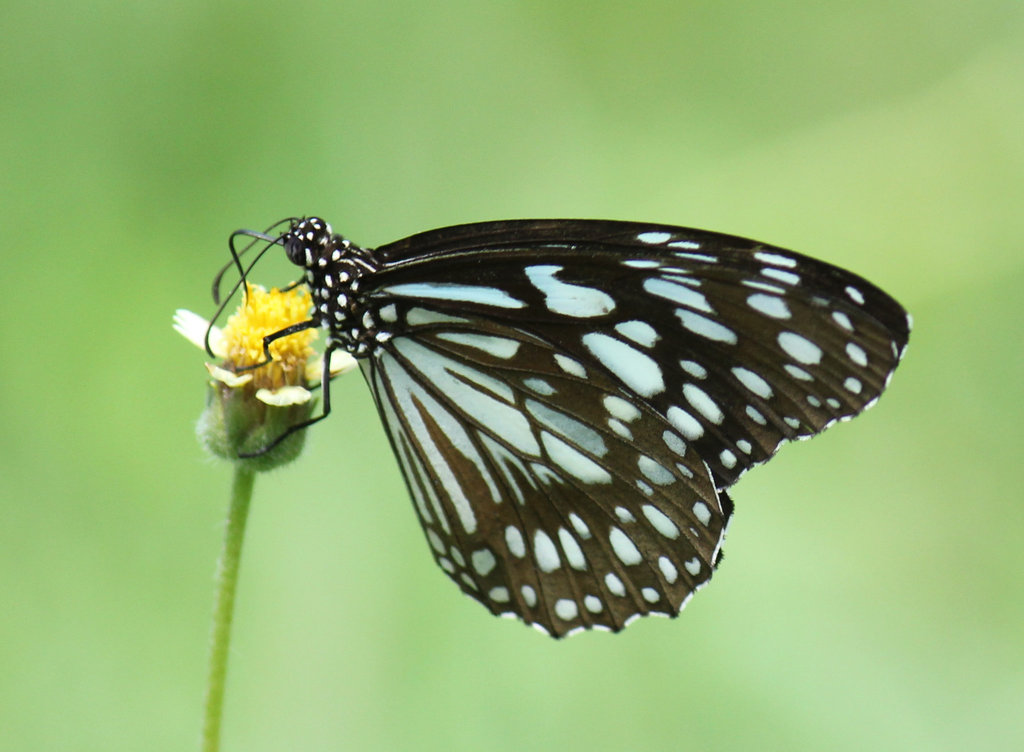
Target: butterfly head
{"points": [[334, 268], [307, 240]]}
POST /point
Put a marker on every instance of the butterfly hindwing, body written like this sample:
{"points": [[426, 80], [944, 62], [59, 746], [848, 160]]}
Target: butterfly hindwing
{"points": [[543, 491]]}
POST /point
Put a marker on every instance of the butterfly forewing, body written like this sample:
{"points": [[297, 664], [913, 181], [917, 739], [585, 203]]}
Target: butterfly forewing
{"points": [[738, 344], [568, 399]]}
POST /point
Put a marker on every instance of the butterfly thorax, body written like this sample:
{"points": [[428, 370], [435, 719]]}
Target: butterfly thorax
{"points": [[335, 272]]}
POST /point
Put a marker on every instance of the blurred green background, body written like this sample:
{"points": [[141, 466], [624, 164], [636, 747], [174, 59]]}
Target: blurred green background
{"points": [[872, 593]]}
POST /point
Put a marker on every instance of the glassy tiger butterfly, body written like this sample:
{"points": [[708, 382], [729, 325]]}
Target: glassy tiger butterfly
{"points": [[569, 400]]}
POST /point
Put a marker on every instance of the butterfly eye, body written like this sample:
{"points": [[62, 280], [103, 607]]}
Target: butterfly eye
{"points": [[569, 401], [306, 240], [295, 249]]}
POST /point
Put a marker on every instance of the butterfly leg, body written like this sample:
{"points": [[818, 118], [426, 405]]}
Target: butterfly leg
{"points": [[325, 383], [279, 334]]}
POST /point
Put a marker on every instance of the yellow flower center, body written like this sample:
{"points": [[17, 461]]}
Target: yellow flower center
{"points": [[261, 314]]}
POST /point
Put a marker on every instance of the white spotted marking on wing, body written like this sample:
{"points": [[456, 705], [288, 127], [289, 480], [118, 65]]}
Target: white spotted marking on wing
{"points": [[457, 293], [680, 276], [620, 408], [728, 458], [639, 331], [798, 373], [800, 348], [660, 521], [614, 584], [483, 561], [642, 263], [788, 278], [570, 366], [654, 237], [650, 594], [573, 461], [685, 423], [668, 569], [843, 320], [694, 369], [773, 258], [853, 385], [514, 541], [499, 594], [692, 566], [579, 526], [435, 541], [705, 327], [566, 609], [702, 403], [499, 347], [620, 428], [753, 382], [856, 353], [567, 299], [579, 433], [703, 258], [425, 317], [702, 513], [539, 385], [624, 547], [529, 595], [573, 552], [457, 556], [855, 295], [677, 293], [593, 604], [759, 285], [756, 416], [770, 305], [654, 471], [637, 370], [674, 442], [545, 552]]}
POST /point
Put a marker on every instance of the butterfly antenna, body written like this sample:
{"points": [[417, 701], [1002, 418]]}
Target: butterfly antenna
{"points": [[236, 256], [236, 261]]}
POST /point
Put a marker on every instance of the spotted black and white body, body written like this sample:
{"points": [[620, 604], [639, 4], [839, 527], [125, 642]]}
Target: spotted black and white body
{"points": [[570, 399]]}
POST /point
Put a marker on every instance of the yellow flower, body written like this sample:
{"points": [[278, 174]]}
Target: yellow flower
{"points": [[249, 405]]}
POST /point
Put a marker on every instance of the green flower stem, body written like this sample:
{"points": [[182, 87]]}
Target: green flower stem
{"points": [[224, 605]]}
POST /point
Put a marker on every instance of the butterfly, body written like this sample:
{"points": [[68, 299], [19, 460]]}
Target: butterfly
{"points": [[570, 400]]}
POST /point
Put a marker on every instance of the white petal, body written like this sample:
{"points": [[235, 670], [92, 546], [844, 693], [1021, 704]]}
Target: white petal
{"points": [[341, 362], [230, 378], [193, 327], [286, 395]]}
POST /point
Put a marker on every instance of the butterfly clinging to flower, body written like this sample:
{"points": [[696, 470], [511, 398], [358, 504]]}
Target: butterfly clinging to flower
{"points": [[570, 400]]}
